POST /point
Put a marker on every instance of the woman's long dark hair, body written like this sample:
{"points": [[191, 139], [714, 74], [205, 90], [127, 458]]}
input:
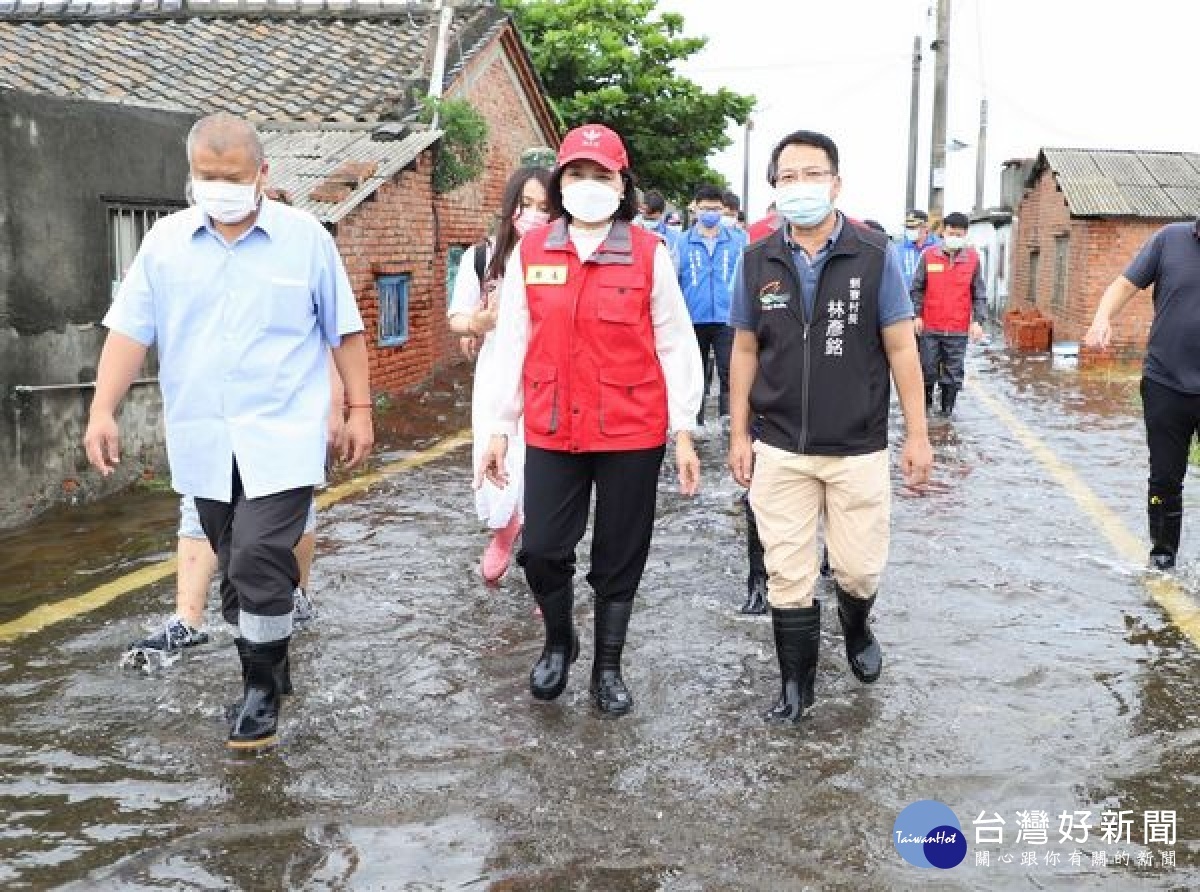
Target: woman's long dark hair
{"points": [[506, 234]]}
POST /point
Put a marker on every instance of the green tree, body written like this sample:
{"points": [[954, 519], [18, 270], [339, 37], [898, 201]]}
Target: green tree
{"points": [[609, 62]]}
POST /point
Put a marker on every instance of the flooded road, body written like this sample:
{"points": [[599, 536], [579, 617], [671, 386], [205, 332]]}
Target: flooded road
{"points": [[1026, 670]]}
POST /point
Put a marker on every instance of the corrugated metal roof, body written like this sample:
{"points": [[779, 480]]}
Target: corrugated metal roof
{"points": [[1152, 201], [1187, 198], [1170, 170], [1124, 168], [301, 160], [326, 61], [1114, 183], [1070, 163]]}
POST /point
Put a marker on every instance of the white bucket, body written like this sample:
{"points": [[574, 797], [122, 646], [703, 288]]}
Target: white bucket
{"points": [[1065, 355]]}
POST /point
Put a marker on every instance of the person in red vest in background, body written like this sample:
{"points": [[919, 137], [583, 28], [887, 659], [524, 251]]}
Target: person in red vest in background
{"points": [[595, 346], [764, 226], [950, 300]]}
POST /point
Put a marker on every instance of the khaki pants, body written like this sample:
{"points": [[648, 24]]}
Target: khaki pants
{"points": [[790, 493]]}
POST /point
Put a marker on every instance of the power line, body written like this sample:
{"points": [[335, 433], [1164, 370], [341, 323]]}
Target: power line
{"points": [[782, 66]]}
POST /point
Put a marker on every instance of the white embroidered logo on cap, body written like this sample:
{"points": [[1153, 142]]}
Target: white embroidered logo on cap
{"points": [[591, 137]]}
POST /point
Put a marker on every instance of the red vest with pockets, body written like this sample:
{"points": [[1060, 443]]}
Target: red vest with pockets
{"points": [[947, 306], [592, 380]]}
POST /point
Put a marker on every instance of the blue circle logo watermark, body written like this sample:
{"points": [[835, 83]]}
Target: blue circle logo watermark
{"points": [[928, 834]]}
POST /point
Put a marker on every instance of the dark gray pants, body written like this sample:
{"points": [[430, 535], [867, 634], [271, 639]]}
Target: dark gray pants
{"points": [[715, 340], [254, 541], [942, 359]]}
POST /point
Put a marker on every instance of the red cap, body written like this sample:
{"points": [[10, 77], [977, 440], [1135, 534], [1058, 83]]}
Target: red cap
{"points": [[593, 142]]}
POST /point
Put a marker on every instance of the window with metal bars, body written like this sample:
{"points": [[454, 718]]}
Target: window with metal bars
{"points": [[393, 309], [127, 226], [1061, 243], [1035, 256]]}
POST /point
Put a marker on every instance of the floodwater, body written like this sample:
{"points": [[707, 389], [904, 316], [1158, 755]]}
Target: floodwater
{"points": [[1026, 669]]}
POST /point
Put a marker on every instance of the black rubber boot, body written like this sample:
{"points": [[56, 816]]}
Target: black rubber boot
{"points": [[608, 689], [1165, 513], [263, 669], [949, 394], [548, 677], [862, 650], [283, 679], [756, 582], [756, 596], [797, 642]]}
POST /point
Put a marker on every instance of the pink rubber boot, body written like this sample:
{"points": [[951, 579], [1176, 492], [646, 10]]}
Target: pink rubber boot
{"points": [[498, 554]]}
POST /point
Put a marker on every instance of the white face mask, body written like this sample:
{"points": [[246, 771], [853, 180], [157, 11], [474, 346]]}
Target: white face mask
{"points": [[955, 242], [590, 201], [912, 234], [226, 202], [804, 204]]}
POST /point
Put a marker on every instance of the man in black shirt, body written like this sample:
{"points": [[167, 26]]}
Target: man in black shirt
{"points": [[1171, 374]]}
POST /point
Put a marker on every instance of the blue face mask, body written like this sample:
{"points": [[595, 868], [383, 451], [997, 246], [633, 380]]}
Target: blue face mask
{"points": [[709, 219], [804, 204]]}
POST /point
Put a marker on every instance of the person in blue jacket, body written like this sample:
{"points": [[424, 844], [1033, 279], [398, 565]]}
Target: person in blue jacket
{"points": [[917, 238], [708, 256]]}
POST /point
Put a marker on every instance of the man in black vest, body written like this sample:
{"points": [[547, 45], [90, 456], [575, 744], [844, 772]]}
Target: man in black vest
{"points": [[824, 323]]}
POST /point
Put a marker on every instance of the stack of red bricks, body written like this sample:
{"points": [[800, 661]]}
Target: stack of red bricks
{"points": [[1027, 330]]}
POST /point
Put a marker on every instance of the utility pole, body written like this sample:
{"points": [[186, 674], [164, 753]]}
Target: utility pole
{"points": [[746, 169], [914, 122], [937, 149], [438, 73], [981, 156]]}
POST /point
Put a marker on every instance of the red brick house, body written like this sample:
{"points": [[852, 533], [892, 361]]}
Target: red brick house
{"points": [[334, 87], [1083, 217]]}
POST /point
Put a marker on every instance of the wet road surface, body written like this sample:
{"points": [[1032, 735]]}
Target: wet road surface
{"points": [[1026, 668]]}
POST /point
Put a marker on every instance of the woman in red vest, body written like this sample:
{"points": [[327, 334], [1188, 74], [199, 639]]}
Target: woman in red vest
{"points": [[595, 346]]}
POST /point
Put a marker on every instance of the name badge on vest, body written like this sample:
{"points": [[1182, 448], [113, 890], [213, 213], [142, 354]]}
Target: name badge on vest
{"points": [[546, 275], [935, 268]]}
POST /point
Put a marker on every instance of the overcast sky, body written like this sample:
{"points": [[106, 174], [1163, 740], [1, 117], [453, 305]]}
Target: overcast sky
{"points": [[1065, 73]]}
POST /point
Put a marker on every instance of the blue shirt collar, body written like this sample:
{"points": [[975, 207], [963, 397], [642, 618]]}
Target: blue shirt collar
{"points": [[268, 220], [833, 236], [695, 236]]}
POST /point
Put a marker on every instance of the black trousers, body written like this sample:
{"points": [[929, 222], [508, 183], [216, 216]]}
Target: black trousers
{"points": [[558, 490], [1172, 422], [754, 548], [717, 339], [254, 541], [943, 359]]}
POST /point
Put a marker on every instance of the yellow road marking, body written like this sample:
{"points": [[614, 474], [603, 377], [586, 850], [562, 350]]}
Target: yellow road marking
{"points": [[1182, 609], [49, 614]]}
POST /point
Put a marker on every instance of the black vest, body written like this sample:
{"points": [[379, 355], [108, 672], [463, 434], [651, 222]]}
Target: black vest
{"points": [[823, 385]]}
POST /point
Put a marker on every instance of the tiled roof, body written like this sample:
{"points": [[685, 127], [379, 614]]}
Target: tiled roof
{"points": [[330, 170], [1113, 183], [336, 60]]}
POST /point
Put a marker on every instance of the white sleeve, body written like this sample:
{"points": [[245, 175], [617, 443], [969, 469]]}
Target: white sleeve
{"points": [[511, 340], [675, 342], [467, 294]]}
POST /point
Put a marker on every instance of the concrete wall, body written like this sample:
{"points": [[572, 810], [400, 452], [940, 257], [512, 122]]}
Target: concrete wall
{"points": [[992, 241], [64, 162]]}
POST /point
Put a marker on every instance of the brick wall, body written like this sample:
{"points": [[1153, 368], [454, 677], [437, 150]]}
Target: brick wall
{"points": [[1097, 251], [402, 229]]}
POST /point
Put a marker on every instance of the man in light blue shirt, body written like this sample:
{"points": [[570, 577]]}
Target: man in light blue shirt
{"points": [[243, 297]]}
